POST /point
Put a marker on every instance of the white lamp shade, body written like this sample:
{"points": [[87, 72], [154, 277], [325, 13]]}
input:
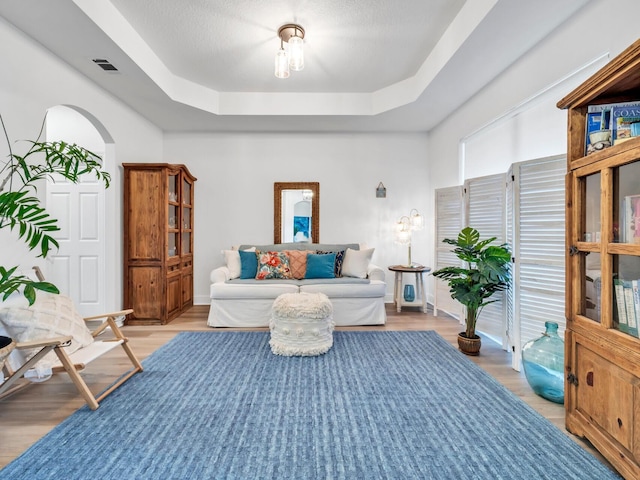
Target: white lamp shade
{"points": [[296, 53], [403, 237], [417, 221], [282, 64]]}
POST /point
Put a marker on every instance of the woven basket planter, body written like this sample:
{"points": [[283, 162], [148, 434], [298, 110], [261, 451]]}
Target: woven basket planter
{"points": [[6, 347], [469, 346]]}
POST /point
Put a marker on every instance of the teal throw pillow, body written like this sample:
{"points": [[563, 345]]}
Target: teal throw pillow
{"points": [[320, 266], [339, 261], [248, 264]]}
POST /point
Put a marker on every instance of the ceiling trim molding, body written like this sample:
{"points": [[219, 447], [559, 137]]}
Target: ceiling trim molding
{"points": [[107, 17]]}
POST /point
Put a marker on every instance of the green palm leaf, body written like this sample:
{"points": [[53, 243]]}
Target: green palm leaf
{"points": [[34, 225]]}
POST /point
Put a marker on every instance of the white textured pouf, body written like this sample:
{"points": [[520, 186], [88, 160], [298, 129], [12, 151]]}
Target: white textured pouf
{"points": [[301, 324]]}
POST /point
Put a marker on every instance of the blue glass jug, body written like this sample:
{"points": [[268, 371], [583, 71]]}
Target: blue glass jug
{"points": [[543, 361]]}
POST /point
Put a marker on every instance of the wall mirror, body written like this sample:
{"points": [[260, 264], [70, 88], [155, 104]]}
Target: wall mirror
{"points": [[296, 212]]}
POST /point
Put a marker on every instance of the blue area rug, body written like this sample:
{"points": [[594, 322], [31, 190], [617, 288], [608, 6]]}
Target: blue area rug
{"points": [[378, 405]]}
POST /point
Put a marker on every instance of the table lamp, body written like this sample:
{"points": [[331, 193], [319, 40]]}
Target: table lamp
{"points": [[405, 225]]}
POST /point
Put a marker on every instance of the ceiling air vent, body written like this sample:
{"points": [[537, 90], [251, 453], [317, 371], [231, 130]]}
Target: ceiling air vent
{"points": [[105, 64]]}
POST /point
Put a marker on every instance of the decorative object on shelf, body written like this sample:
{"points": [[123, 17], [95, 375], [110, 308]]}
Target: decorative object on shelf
{"points": [[381, 191], [543, 362], [404, 227], [21, 210], [409, 293], [486, 272], [293, 57]]}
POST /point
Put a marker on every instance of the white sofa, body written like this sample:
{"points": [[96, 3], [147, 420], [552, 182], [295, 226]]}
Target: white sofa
{"points": [[247, 302]]}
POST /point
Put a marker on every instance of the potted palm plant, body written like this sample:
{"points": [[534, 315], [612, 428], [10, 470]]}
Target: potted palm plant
{"points": [[486, 271], [21, 210]]}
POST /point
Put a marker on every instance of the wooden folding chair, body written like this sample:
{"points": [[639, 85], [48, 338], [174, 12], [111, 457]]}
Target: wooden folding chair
{"points": [[78, 360]]}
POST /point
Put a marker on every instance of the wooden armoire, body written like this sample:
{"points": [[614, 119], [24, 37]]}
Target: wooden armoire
{"points": [[602, 348], [158, 241]]}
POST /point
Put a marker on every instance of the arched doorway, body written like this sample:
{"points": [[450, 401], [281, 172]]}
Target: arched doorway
{"points": [[85, 213]]}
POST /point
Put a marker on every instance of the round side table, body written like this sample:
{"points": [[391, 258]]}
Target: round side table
{"points": [[419, 270]]}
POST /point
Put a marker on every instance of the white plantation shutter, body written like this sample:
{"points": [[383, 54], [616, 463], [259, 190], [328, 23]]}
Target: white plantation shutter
{"points": [[485, 207], [539, 233], [449, 217], [512, 294]]}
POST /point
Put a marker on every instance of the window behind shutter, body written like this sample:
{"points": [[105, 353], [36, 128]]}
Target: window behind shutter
{"points": [[540, 236], [448, 224], [485, 206]]}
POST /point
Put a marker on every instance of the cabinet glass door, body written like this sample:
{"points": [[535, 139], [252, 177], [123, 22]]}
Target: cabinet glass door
{"points": [[626, 261], [589, 236], [186, 192], [173, 216], [186, 217], [591, 230], [626, 281], [627, 192]]}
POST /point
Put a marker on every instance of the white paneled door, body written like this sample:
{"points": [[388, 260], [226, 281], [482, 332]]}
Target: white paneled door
{"points": [[78, 267]]}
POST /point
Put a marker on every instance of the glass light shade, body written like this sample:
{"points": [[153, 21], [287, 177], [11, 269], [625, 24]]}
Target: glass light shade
{"points": [[417, 221], [403, 237], [296, 53], [402, 224], [282, 64]]}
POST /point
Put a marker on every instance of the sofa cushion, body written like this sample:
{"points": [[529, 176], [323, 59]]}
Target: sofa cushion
{"points": [[375, 289], [279, 247], [251, 289], [232, 260], [297, 262], [272, 265], [356, 262], [337, 263], [248, 264], [321, 265]]}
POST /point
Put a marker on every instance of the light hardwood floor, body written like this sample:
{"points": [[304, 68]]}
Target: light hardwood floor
{"points": [[28, 415]]}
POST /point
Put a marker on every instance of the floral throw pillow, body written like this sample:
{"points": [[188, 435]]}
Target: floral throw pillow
{"points": [[273, 265], [298, 262]]}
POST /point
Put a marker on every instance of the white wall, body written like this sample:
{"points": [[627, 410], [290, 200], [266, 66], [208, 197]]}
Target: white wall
{"points": [[33, 81], [234, 191], [578, 43], [515, 118]]}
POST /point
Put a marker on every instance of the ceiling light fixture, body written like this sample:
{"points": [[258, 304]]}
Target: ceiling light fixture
{"points": [[293, 59]]}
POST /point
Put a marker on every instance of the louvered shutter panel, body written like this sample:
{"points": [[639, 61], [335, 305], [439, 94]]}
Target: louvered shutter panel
{"points": [[485, 206], [513, 326], [541, 246], [449, 220]]}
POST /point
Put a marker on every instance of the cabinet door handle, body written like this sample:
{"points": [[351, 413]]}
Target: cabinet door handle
{"points": [[572, 379], [590, 379]]}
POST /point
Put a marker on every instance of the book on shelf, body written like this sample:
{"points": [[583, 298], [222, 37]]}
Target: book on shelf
{"points": [[624, 129], [609, 113], [607, 107], [594, 124], [635, 286], [621, 111], [631, 232], [632, 315], [618, 286]]}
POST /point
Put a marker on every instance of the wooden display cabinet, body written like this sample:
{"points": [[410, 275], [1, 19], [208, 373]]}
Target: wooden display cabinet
{"points": [[602, 348], [158, 241]]}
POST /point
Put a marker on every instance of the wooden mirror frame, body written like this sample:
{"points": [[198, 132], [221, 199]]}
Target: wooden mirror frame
{"points": [[278, 187]]}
